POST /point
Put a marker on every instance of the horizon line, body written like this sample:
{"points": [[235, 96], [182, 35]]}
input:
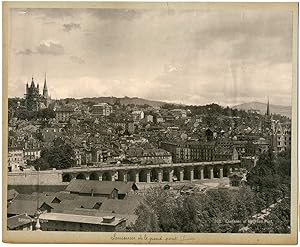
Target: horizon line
{"points": [[161, 101]]}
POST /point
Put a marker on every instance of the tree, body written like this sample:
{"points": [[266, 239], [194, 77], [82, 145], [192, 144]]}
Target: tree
{"points": [[147, 220], [224, 210], [40, 164], [46, 113], [278, 221], [209, 212], [271, 175], [60, 156]]}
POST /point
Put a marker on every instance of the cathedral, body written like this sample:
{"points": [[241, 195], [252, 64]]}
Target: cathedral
{"points": [[33, 99]]}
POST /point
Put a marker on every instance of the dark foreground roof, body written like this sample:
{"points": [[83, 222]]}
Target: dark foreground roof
{"points": [[130, 218], [99, 187], [127, 206], [20, 206], [18, 220], [86, 202], [11, 194]]}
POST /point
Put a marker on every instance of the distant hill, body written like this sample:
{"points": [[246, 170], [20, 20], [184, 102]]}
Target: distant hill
{"points": [[123, 101], [277, 109]]}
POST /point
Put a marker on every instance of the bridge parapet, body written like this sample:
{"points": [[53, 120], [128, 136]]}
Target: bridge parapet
{"points": [[154, 166]]}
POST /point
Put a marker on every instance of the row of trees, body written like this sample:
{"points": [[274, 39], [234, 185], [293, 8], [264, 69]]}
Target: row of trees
{"points": [[46, 113], [224, 210]]}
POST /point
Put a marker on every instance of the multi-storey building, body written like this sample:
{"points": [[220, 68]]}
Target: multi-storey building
{"points": [[137, 115], [32, 154], [126, 125], [100, 154], [190, 151], [16, 160], [63, 114], [281, 140], [151, 156], [102, 109]]}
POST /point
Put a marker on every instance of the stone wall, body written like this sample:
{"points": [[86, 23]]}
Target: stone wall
{"points": [[52, 177]]}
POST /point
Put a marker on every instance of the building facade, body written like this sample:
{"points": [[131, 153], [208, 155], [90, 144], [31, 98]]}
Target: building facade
{"points": [[190, 151], [102, 109], [281, 137], [63, 114], [150, 156], [16, 160]]}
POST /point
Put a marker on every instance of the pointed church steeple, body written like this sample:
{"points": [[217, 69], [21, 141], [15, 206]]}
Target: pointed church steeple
{"points": [[27, 86], [45, 89], [268, 108], [32, 82]]}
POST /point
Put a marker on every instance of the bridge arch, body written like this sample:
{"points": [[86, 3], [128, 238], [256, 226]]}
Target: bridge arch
{"points": [[67, 177], [131, 176], [153, 175], [176, 173], [165, 173], [122, 175], [106, 176], [143, 175], [94, 176], [186, 173], [216, 172], [80, 176]]}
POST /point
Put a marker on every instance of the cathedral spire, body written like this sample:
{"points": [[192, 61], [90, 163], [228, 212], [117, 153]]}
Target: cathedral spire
{"points": [[32, 82], [45, 90], [268, 108]]}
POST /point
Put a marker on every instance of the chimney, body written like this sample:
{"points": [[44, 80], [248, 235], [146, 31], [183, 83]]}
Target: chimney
{"points": [[108, 219]]}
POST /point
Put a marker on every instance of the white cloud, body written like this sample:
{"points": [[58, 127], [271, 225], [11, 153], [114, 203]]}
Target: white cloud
{"points": [[184, 56]]}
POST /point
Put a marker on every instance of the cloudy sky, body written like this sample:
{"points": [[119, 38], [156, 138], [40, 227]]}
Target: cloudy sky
{"points": [[184, 56]]}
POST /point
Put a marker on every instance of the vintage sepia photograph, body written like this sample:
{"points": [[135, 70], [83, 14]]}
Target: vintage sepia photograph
{"points": [[153, 123]]}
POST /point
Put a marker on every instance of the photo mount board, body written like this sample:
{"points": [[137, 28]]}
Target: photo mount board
{"points": [[152, 238]]}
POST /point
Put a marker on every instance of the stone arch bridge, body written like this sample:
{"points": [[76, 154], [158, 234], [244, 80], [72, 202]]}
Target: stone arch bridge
{"points": [[153, 173]]}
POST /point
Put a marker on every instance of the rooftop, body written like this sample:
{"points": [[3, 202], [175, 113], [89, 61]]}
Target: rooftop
{"points": [[11, 194], [99, 187], [30, 207], [18, 220], [85, 219]]}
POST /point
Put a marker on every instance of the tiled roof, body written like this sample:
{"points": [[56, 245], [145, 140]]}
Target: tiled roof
{"points": [[86, 202], [126, 206], [130, 218], [24, 206], [85, 219], [11, 194], [65, 196], [98, 187], [37, 197], [18, 220]]}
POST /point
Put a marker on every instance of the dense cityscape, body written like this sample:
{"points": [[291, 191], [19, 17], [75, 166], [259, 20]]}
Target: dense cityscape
{"points": [[130, 164]]}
